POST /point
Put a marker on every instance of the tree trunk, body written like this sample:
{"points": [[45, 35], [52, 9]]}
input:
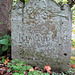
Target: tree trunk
{"points": [[5, 9]]}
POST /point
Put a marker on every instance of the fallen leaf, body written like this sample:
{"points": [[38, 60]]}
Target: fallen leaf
{"points": [[73, 48], [24, 73], [47, 68], [51, 73], [1, 65], [37, 68], [2, 70], [72, 65], [73, 58], [31, 69], [6, 61]]}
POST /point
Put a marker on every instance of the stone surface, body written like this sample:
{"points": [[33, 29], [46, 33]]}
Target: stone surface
{"points": [[5, 9], [41, 34]]}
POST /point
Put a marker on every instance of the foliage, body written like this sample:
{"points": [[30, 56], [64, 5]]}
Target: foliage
{"points": [[36, 72], [72, 61], [73, 42], [0, 31], [73, 12], [73, 19], [15, 1], [3, 59], [58, 1], [0, 23], [20, 67], [16, 67], [69, 73], [73, 29], [61, 2], [5, 42]]}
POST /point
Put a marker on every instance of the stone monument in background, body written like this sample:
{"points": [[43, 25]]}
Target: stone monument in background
{"points": [[41, 34]]}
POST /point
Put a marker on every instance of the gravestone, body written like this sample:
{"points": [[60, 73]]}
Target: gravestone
{"points": [[41, 34]]}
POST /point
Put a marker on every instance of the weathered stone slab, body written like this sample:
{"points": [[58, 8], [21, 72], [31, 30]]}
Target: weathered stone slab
{"points": [[41, 34]]}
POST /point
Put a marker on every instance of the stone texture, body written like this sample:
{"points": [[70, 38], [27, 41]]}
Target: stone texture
{"points": [[41, 34], [5, 9]]}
